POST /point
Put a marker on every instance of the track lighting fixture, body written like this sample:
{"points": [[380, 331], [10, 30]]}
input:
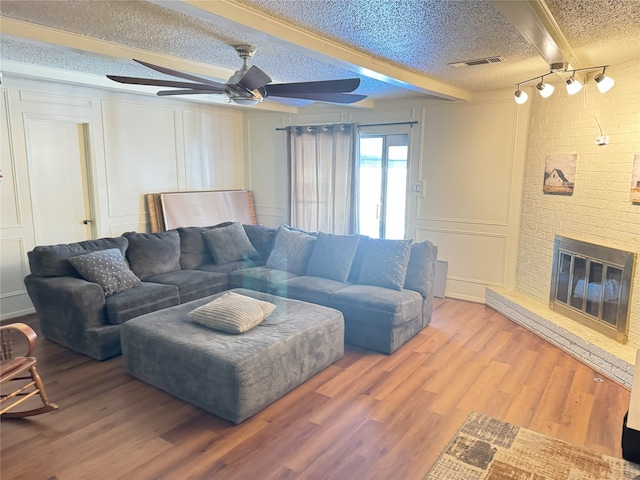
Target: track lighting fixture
{"points": [[574, 85]]}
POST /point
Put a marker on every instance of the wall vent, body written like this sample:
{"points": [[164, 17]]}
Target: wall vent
{"points": [[477, 61]]}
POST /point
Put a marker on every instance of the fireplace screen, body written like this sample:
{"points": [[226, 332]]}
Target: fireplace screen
{"points": [[592, 285]]}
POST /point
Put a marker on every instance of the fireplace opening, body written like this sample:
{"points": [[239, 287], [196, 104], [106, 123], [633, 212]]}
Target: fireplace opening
{"points": [[592, 285]]}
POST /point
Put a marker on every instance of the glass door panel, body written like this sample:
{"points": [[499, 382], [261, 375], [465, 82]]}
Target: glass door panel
{"points": [[382, 185], [370, 185]]}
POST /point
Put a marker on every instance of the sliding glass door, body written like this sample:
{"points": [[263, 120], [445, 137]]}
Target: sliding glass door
{"points": [[382, 185]]}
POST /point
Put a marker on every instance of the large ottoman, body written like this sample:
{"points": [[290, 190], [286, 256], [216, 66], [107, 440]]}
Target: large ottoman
{"points": [[232, 376]]}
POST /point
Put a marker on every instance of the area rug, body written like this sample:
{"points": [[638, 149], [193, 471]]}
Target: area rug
{"points": [[486, 448]]}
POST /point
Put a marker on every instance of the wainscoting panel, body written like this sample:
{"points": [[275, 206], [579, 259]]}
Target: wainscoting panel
{"points": [[475, 260], [140, 154], [213, 143], [14, 268], [468, 160], [118, 230], [10, 205], [65, 100]]}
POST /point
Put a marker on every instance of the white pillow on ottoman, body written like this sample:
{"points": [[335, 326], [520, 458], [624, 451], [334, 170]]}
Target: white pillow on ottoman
{"points": [[232, 313]]}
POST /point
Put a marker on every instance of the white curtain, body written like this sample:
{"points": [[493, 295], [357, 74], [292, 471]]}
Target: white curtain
{"points": [[321, 168]]}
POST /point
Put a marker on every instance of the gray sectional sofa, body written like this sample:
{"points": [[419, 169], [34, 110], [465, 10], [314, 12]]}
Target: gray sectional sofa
{"points": [[83, 292]]}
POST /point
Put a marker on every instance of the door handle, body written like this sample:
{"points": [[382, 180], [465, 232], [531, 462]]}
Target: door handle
{"points": [[87, 222]]}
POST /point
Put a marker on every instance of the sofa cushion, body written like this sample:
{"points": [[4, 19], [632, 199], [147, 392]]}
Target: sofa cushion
{"points": [[310, 289], [262, 239], [229, 244], [356, 265], [232, 313], [53, 260], [421, 267], [193, 250], [385, 263], [145, 298], [107, 268], [231, 266], [153, 253], [377, 306], [291, 251], [193, 284], [332, 256], [261, 279]]}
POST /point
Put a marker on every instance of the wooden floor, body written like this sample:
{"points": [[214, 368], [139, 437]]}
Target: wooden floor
{"points": [[368, 416]]}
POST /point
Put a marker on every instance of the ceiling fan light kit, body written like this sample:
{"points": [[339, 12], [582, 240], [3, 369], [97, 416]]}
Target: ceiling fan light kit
{"points": [[249, 85], [574, 85]]}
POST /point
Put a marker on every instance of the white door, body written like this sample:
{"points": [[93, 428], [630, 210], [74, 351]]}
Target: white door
{"points": [[58, 180]]}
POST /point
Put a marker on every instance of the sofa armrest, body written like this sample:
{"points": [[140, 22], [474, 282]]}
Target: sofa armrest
{"points": [[67, 306]]}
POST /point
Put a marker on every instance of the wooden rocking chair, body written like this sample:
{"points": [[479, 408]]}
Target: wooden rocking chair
{"points": [[13, 368]]}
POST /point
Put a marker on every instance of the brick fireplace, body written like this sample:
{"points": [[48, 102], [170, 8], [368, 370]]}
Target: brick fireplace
{"points": [[599, 212]]}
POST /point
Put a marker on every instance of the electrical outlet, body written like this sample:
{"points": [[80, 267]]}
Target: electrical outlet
{"points": [[602, 140]]}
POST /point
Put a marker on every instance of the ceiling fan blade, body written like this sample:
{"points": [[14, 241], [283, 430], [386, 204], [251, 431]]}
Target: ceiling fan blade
{"points": [[176, 73], [292, 102], [161, 83], [254, 78], [325, 97], [322, 86], [189, 91]]}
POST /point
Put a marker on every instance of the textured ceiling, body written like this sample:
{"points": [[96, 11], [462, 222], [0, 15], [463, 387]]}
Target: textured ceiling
{"points": [[420, 37]]}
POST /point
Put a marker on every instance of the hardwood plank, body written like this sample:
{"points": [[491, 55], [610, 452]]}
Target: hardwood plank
{"points": [[367, 416]]}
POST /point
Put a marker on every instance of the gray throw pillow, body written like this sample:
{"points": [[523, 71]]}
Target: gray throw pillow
{"points": [[385, 263], [53, 260], [291, 251], [232, 313], [151, 254], [229, 244], [107, 268], [262, 238], [332, 256], [193, 250], [421, 268]]}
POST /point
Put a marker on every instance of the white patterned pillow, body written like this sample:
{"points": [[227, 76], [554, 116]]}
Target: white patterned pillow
{"points": [[385, 263], [106, 268], [232, 313]]}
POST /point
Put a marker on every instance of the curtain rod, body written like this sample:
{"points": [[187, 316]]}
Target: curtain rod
{"points": [[374, 124], [386, 124]]}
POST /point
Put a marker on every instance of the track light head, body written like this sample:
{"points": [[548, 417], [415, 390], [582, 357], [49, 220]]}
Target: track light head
{"points": [[603, 82], [573, 85], [544, 89], [520, 96]]}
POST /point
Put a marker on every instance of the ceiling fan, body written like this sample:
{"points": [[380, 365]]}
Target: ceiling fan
{"points": [[250, 85]]}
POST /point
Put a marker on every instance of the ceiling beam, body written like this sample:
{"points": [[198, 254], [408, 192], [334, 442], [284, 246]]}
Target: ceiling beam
{"points": [[256, 22], [31, 31], [536, 24]]}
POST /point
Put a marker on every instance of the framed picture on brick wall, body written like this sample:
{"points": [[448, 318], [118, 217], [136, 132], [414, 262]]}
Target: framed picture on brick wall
{"points": [[635, 180], [559, 174]]}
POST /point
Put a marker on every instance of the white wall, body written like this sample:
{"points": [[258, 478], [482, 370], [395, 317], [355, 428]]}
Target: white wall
{"points": [[137, 144], [599, 211], [467, 158]]}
